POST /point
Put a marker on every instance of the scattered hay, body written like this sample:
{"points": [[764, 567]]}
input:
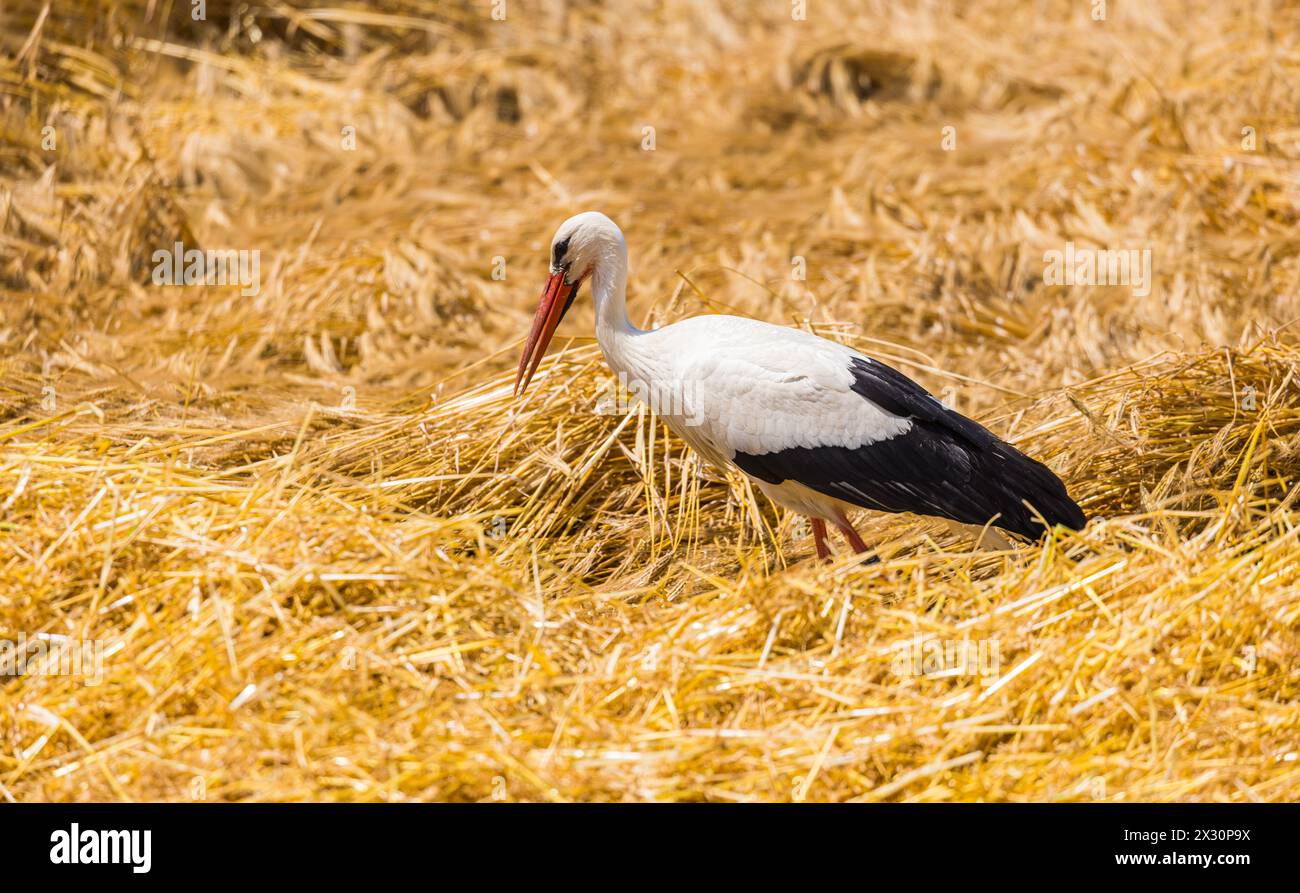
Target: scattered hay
{"points": [[325, 555]]}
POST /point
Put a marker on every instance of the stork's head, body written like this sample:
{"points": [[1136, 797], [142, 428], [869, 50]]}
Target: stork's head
{"points": [[582, 245]]}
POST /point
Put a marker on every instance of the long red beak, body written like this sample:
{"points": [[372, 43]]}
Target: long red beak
{"points": [[550, 310]]}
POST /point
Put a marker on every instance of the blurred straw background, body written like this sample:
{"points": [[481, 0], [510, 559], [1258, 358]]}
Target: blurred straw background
{"points": [[326, 556]]}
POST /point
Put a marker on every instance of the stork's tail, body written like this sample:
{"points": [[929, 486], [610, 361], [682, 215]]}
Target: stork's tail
{"points": [[1011, 479]]}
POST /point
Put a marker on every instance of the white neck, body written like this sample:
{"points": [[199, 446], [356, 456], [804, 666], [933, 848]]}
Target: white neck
{"points": [[609, 289]]}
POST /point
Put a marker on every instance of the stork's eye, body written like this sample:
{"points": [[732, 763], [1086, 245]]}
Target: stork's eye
{"points": [[557, 253]]}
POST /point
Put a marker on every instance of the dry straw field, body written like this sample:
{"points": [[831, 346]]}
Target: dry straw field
{"points": [[320, 553]]}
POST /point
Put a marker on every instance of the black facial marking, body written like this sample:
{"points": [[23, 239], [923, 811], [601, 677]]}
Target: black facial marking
{"points": [[557, 254]]}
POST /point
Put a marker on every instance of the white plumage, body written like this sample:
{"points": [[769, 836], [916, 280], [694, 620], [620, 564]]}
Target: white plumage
{"points": [[759, 387], [819, 427]]}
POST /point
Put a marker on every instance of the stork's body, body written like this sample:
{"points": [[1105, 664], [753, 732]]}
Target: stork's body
{"points": [[820, 428]]}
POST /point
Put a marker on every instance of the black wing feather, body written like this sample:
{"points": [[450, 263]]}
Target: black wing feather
{"points": [[945, 465]]}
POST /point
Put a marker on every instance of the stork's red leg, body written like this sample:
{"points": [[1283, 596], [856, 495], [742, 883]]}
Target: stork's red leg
{"points": [[851, 535], [819, 537]]}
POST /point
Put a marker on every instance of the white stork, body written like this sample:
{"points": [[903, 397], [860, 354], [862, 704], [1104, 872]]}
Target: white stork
{"points": [[817, 426]]}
